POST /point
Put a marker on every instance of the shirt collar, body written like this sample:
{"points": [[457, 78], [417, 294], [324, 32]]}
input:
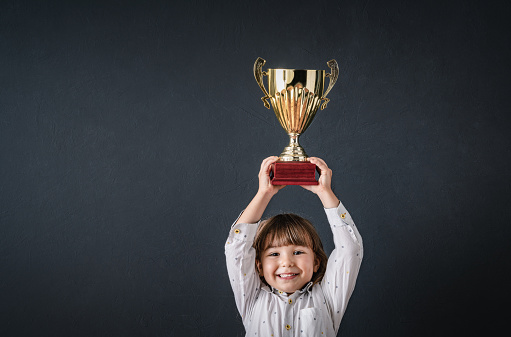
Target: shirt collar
{"points": [[307, 287], [282, 293], [267, 288]]}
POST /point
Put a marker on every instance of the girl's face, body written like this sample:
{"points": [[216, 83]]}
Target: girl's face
{"points": [[288, 268]]}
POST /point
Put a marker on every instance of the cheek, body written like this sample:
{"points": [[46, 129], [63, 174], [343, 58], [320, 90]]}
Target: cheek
{"points": [[264, 267], [269, 268]]}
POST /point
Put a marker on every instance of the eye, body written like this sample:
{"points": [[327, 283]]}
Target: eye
{"points": [[298, 252], [273, 254]]}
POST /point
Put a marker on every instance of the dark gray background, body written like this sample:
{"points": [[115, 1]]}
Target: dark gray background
{"points": [[131, 136]]}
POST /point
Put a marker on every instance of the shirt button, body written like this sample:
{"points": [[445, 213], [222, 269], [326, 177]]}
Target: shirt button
{"points": [[343, 215], [237, 231], [288, 327], [281, 292], [290, 301]]}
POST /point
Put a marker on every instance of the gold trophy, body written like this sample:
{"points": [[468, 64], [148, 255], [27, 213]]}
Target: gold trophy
{"points": [[295, 96]]}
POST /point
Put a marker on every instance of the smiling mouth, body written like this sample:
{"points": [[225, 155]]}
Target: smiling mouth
{"points": [[287, 276]]}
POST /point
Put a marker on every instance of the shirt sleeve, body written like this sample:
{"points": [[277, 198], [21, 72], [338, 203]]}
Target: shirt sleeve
{"points": [[240, 259], [343, 264]]}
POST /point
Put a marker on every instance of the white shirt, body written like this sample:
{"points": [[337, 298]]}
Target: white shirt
{"points": [[316, 310]]}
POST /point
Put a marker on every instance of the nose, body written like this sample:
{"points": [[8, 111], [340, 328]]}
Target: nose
{"points": [[287, 260]]}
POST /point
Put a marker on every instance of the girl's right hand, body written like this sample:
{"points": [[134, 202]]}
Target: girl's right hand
{"points": [[256, 207], [265, 185]]}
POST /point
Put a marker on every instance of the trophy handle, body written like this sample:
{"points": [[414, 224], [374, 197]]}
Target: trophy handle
{"points": [[258, 73], [334, 73]]}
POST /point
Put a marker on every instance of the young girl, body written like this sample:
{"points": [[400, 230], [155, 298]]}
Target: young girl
{"points": [[282, 281]]}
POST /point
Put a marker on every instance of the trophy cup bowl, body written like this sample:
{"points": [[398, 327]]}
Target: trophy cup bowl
{"points": [[295, 95]]}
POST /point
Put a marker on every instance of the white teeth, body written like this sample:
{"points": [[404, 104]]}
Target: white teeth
{"points": [[287, 275]]}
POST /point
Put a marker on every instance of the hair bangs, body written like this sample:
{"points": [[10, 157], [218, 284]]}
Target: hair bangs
{"points": [[285, 235]]}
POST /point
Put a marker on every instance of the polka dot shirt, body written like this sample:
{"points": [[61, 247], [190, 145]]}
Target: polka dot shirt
{"points": [[315, 310]]}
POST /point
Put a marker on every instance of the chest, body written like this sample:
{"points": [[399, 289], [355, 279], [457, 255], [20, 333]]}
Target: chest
{"points": [[302, 315]]}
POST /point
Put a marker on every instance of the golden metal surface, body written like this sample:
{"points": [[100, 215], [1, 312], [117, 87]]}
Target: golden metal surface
{"points": [[258, 73], [295, 96], [334, 73]]}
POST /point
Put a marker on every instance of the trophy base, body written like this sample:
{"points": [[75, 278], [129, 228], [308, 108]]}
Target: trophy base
{"points": [[294, 173]]}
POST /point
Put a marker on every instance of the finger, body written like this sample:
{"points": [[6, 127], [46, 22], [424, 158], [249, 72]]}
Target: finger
{"points": [[270, 159], [263, 163], [266, 162], [319, 162], [266, 165], [322, 167]]}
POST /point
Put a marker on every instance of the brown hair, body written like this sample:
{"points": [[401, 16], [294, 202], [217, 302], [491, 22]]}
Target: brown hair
{"points": [[290, 229]]}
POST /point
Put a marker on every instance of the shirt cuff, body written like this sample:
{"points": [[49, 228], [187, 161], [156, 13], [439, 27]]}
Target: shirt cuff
{"points": [[245, 232], [234, 223], [339, 213]]}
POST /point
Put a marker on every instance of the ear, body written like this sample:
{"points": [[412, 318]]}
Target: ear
{"points": [[316, 264], [259, 267]]}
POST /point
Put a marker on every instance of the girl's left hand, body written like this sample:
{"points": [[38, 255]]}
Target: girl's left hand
{"points": [[324, 189], [325, 178]]}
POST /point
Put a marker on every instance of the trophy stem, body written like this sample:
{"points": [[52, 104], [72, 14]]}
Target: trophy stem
{"points": [[294, 151]]}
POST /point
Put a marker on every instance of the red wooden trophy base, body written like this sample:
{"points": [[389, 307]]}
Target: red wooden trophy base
{"points": [[294, 173]]}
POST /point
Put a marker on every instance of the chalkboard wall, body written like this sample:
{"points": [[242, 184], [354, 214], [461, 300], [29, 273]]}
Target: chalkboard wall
{"points": [[131, 134]]}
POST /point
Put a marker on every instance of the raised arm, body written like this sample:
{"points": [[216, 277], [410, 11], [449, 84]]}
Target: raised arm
{"points": [[324, 189], [344, 261], [239, 253], [266, 191]]}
